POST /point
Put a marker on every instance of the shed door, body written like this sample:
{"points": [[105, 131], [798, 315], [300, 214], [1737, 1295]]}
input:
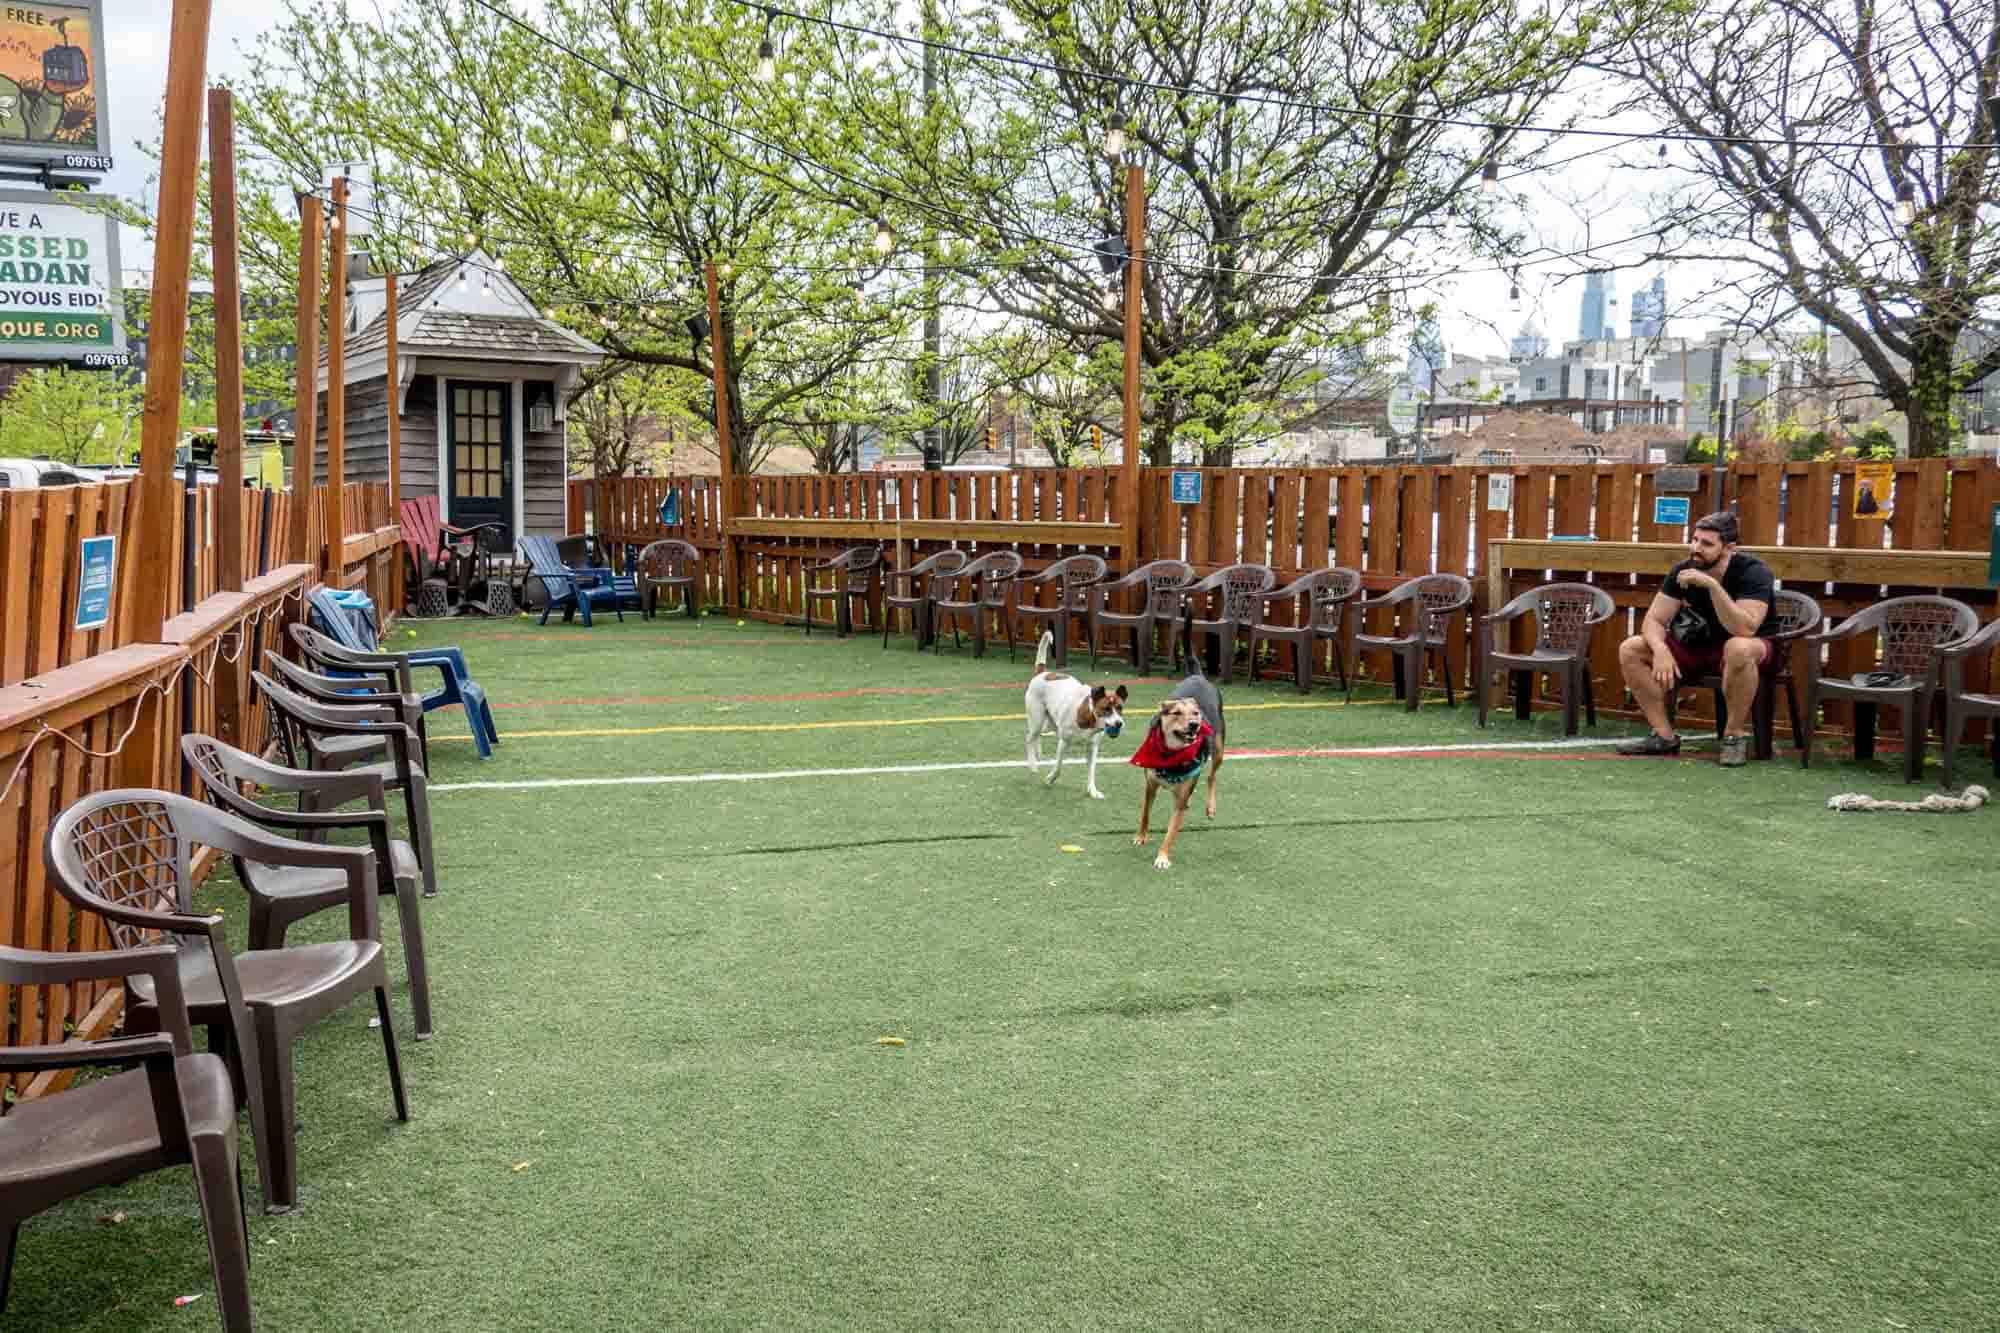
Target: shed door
{"points": [[482, 454]]}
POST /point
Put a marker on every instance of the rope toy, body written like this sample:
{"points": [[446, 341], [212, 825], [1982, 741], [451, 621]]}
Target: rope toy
{"points": [[1936, 803]]}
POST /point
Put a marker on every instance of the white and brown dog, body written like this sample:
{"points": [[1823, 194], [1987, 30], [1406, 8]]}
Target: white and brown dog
{"points": [[1185, 735], [1059, 702]]}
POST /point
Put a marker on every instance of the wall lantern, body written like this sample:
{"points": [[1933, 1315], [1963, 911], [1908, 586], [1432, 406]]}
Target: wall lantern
{"points": [[542, 413]]}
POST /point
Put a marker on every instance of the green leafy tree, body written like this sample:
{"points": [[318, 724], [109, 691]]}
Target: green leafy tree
{"points": [[480, 136], [1890, 244], [71, 416], [1305, 182]]}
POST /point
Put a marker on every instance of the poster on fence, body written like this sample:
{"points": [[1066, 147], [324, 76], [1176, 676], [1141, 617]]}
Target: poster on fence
{"points": [[1500, 490], [93, 586], [1874, 490]]}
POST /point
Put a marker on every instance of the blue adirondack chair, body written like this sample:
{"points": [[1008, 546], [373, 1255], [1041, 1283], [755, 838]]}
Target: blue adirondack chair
{"points": [[357, 635], [575, 589]]}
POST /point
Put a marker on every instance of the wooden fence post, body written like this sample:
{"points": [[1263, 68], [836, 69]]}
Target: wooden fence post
{"points": [[145, 762], [726, 500], [305, 416], [397, 593], [1135, 244], [229, 551], [336, 390]]}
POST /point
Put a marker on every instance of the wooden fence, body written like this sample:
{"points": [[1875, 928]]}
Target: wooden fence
{"points": [[83, 710], [1388, 523]]}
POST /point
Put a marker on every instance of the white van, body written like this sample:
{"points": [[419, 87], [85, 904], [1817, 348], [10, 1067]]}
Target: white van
{"points": [[27, 473]]}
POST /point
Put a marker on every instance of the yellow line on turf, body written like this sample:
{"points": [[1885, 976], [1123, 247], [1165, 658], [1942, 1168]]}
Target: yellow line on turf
{"points": [[687, 728]]}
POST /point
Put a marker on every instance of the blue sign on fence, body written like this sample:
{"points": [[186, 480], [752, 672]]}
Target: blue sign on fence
{"points": [[93, 588], [670, 508], [1187, 488], [1670, 509]]}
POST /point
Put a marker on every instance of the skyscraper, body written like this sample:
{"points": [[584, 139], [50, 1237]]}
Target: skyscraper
{"points": [[1649, 309], [1599, 320], [1427, 358], [1528, 344]]}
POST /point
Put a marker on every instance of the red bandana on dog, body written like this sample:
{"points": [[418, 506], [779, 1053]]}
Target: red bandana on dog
{"points": [[1153, 752]]}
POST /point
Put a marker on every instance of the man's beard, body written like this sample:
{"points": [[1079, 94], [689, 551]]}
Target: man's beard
{"points": [[1708, 566]]}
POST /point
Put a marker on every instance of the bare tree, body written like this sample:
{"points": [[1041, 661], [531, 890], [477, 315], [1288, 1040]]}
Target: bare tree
{"points": [[1844, 163]]}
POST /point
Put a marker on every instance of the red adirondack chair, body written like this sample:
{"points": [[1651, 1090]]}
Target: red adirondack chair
{"points": [[436, 550]]}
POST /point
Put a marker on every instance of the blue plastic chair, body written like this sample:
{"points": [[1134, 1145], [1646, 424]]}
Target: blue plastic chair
{"points": [[353, 628], [575, 589]]}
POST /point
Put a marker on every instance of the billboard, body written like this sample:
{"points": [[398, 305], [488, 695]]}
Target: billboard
{"points": [[59, 295], [51, 103]]}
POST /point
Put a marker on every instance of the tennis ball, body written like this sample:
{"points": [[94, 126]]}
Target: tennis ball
{"points": [[741, 623]]}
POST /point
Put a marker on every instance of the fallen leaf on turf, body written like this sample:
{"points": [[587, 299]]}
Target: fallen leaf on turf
{"points": [[179, 1301], [1069, 847], [890, 1041], [520, 1166], [113, 1219]]}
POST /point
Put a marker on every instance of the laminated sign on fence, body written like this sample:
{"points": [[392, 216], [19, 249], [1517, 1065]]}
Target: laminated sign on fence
{"points": [[1671, 510], [93, 585], [1187, 488]]}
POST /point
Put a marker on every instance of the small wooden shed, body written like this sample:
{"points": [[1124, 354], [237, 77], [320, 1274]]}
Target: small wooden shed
{"points": [[482, 382]]}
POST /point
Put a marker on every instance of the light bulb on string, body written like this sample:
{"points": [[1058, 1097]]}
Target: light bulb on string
{"points": [[1112, 299], [885, 237], [461, 282], [1114, 135], [767, 60], [1906, 204], [485, 285], [619, 130], [1489, 177]]}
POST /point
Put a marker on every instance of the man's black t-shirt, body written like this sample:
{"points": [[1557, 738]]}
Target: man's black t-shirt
{"points": [[1747, 579]]}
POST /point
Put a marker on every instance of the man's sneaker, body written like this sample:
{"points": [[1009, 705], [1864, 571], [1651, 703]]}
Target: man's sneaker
{"points": [[1651, 743], [1735, 749]]}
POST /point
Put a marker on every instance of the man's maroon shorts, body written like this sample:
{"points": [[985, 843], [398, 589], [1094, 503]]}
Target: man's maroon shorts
{"points": [[1695, 662]]}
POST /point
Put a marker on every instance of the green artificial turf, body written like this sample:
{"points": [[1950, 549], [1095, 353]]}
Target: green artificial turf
{"points": [[1532, 1040]]}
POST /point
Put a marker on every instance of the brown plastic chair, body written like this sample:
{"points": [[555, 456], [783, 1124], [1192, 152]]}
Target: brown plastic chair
{"points": [[1160, 584], [670, 565], [1431, 601], [1911, 630], [854, 571], [1962, 705], [1238, 591], [351, 692], [1073, 577], [920, 583], [1798, 616], [1320, 614], [1566, 617], [284, 894], [992, 578], [329, 738], [177, 1109], [127, 855]]}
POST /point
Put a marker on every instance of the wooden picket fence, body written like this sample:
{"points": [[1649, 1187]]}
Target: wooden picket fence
{"points": [[84, 710], [1388, 523]]}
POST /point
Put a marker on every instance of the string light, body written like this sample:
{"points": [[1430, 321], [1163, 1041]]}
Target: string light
{"points": [[620, 132], [885, 237], [1489, 177], [461, 282], [767, 61], [1114, 135], [1906, 204]]}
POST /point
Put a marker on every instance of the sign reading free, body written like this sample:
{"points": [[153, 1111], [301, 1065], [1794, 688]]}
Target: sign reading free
{"points": [[58, 281]]}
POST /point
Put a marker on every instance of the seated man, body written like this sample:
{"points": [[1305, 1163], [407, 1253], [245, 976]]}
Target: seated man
{"points": [[1713, 614]]}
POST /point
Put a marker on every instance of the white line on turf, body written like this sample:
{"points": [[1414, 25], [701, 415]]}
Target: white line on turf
{"points": [[779, 775]]}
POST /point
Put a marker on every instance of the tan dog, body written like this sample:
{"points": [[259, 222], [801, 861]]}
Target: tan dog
{"points": [[1169, 757]]}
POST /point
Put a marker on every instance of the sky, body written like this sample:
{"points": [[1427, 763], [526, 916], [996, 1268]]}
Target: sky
{"points": [[1585, 203]]}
